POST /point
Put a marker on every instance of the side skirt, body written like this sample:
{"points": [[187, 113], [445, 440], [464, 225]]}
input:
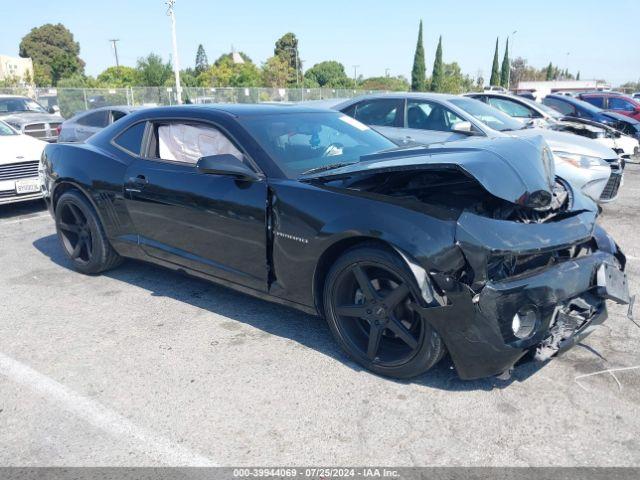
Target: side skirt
{"points": [[133, 251]]}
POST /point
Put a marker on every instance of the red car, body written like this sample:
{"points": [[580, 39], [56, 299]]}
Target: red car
{"points": [[615, 102]]}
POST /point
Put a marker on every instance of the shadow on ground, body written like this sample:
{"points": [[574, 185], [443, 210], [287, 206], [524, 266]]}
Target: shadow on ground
{"points": [[274, 319], [11, 210]]}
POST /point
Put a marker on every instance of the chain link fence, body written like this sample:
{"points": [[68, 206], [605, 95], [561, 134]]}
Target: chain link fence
{"points": [[73, 100]]}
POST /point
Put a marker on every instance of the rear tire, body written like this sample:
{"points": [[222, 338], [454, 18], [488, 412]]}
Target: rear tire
{"points": [[368, 297], [81, 235]]}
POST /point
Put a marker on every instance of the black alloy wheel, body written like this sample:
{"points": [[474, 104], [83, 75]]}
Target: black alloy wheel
{"points": [[81, 235], [75, 233], [369, 303]]}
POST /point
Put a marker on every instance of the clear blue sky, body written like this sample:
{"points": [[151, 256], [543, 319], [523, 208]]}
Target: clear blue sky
{"points": [[602, 37]]}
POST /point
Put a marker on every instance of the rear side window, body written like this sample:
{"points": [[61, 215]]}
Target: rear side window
{"points": [[595, 101], [562, 107], [616, 103], [383, 113], [117, 115], [95, 119], [131, 138]]}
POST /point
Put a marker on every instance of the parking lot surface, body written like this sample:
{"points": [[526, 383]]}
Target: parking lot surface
{"points": [[143, 366]]}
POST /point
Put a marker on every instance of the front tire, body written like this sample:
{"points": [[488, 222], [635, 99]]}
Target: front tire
{"points": [[81, 235], [368, 297]]}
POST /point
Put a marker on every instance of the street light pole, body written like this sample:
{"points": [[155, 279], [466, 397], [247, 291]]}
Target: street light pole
{"points": [[355, 75], [115, 41], [176, 61]]}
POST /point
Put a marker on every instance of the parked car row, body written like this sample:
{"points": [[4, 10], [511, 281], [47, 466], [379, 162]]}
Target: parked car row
{"points": [[538, 114], [434, 119]]}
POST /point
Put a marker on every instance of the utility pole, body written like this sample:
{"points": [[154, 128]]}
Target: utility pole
{"points": [[115, 41], [355, 75], [176, 61], [386, 72], [513, 42]]}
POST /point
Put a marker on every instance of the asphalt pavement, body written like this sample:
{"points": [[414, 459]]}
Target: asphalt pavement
{"points": [[144, 367]]}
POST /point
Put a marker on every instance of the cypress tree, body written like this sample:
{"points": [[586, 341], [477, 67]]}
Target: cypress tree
{"points": [[495, 69], [437, 77], [202, 63], [419, 71], [578, 76], [549, 72], [506, 68]]}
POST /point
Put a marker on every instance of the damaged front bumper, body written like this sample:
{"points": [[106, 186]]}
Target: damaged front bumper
{"points": [[544, 310]]}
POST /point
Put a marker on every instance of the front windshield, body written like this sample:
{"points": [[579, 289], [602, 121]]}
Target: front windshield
{"points": [[492, 117], [302, 142], [20, 104], [6, 130]]}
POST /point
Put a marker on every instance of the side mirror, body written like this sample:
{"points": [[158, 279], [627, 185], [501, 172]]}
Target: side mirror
{"points": [[464, 128], [226, 164]]}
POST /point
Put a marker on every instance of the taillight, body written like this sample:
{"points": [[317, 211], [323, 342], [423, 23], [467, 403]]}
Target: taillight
{"points": [[58, 129]]}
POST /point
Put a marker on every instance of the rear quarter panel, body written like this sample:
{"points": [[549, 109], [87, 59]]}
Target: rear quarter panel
{"points": [[98, 173]]}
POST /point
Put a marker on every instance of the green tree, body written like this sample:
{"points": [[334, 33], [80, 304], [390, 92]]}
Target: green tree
{"points": [[152, 71], [419, 70], [287, 49], [77, 80], [495, 69], [550, 72], [437, 77], [226, 73], [52, 47], [578, 76], [506, 68], [454, 81], [330, 74], [275, 72], [202, 63], [399, 83], [118, 77]]}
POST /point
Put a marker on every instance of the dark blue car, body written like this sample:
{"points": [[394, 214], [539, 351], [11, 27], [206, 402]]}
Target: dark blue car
{"points": [[573, 107]]}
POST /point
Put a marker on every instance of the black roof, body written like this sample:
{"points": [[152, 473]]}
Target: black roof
{"points": [[239, 109]]}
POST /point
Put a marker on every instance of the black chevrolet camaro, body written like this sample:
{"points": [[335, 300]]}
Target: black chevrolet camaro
{"points": [[408, 253]]}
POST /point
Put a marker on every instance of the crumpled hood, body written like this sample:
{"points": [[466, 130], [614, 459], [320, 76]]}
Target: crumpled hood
{"points": [[516, 170], [568, 142], [26, 118]]}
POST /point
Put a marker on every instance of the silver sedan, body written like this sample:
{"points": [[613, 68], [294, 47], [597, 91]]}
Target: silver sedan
{"points": [[429, 118]]}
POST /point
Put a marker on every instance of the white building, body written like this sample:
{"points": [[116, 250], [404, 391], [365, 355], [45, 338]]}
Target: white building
{"points": [[16, 67], [542, 89]]}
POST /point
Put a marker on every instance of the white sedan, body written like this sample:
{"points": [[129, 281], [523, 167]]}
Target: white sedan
{"points": [[19, 158]]}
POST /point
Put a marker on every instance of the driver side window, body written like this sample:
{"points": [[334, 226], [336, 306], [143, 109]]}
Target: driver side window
{"points": [[425, 115], [188, 142]]}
